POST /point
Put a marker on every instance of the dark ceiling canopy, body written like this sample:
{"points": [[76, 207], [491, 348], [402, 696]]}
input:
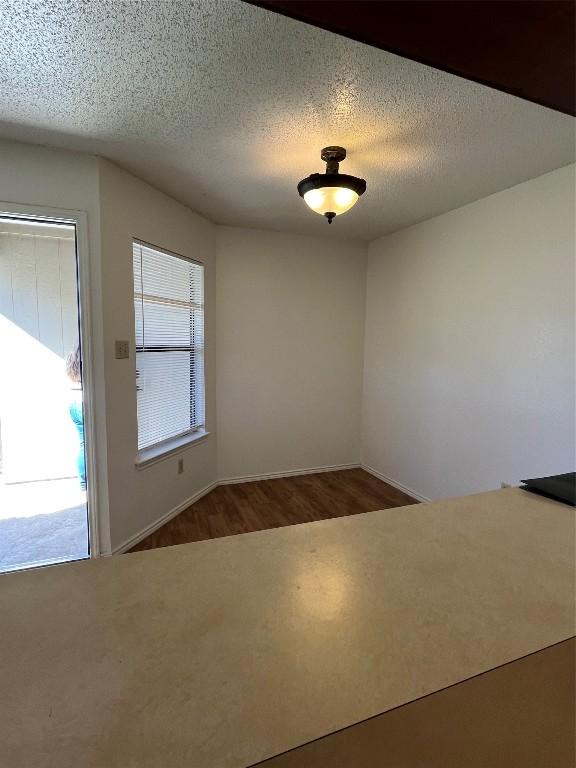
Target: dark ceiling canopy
{"points": [[522, 47]]}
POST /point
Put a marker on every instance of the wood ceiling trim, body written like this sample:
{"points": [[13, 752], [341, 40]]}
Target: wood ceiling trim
{"points": [[522, 47]]}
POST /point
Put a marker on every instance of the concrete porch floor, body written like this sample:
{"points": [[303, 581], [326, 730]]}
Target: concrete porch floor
{"points": [[42, 523]]}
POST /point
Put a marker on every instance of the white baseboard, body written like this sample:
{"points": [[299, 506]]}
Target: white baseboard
{"points": [[394, 483], [138, 537], [289, 473]]}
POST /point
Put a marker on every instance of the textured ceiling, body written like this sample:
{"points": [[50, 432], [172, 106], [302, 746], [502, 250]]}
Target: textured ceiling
{"points": [[226, 107]]}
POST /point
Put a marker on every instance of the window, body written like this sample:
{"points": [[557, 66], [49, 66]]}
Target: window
{"points": [[169, 313]]}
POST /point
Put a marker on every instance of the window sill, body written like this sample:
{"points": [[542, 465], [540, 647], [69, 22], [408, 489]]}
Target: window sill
{"points": [[157, 453]]}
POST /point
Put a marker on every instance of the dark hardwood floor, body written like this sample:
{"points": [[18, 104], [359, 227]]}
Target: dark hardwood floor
{"points": [[245, 507]]}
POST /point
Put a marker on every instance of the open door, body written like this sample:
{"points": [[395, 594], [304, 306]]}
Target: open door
{"points": [[43, 468]]}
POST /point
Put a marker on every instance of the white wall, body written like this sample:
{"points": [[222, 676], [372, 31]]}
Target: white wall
{"points": [[469, 343], [290, 316], [119, 207], [132, 209]]}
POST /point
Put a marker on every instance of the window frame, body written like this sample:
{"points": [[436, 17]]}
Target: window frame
{"points": [[175, 444]]}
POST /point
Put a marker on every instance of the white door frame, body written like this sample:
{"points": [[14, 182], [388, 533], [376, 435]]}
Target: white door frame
{"points": [[98, 522]]}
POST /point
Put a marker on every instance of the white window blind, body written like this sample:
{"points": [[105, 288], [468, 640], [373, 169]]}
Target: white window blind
{"points": [[169, 312]]}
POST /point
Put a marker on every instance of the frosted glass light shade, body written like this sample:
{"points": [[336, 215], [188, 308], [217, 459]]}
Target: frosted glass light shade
{"points": [[332, 193], [335, 200]]}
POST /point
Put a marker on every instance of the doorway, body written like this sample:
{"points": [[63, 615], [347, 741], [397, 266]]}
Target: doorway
{"points": [[43, 469]]}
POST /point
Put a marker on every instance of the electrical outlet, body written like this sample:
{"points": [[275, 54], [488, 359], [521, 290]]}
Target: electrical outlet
{"points": [[121, 350], [180, 466]]}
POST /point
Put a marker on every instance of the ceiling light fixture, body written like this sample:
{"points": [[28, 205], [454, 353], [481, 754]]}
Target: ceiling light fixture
{"points": [[331, 193]]}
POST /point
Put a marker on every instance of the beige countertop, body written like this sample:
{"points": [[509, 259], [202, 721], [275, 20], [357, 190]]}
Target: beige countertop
{"points": [[221, 653]]}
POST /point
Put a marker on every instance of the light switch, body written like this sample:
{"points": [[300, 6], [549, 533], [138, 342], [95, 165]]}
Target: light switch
{"points": [[122, 350]]}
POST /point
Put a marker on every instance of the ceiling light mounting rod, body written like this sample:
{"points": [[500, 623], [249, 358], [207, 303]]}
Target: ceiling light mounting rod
{"points": [[333, 156], [331, 193]]}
